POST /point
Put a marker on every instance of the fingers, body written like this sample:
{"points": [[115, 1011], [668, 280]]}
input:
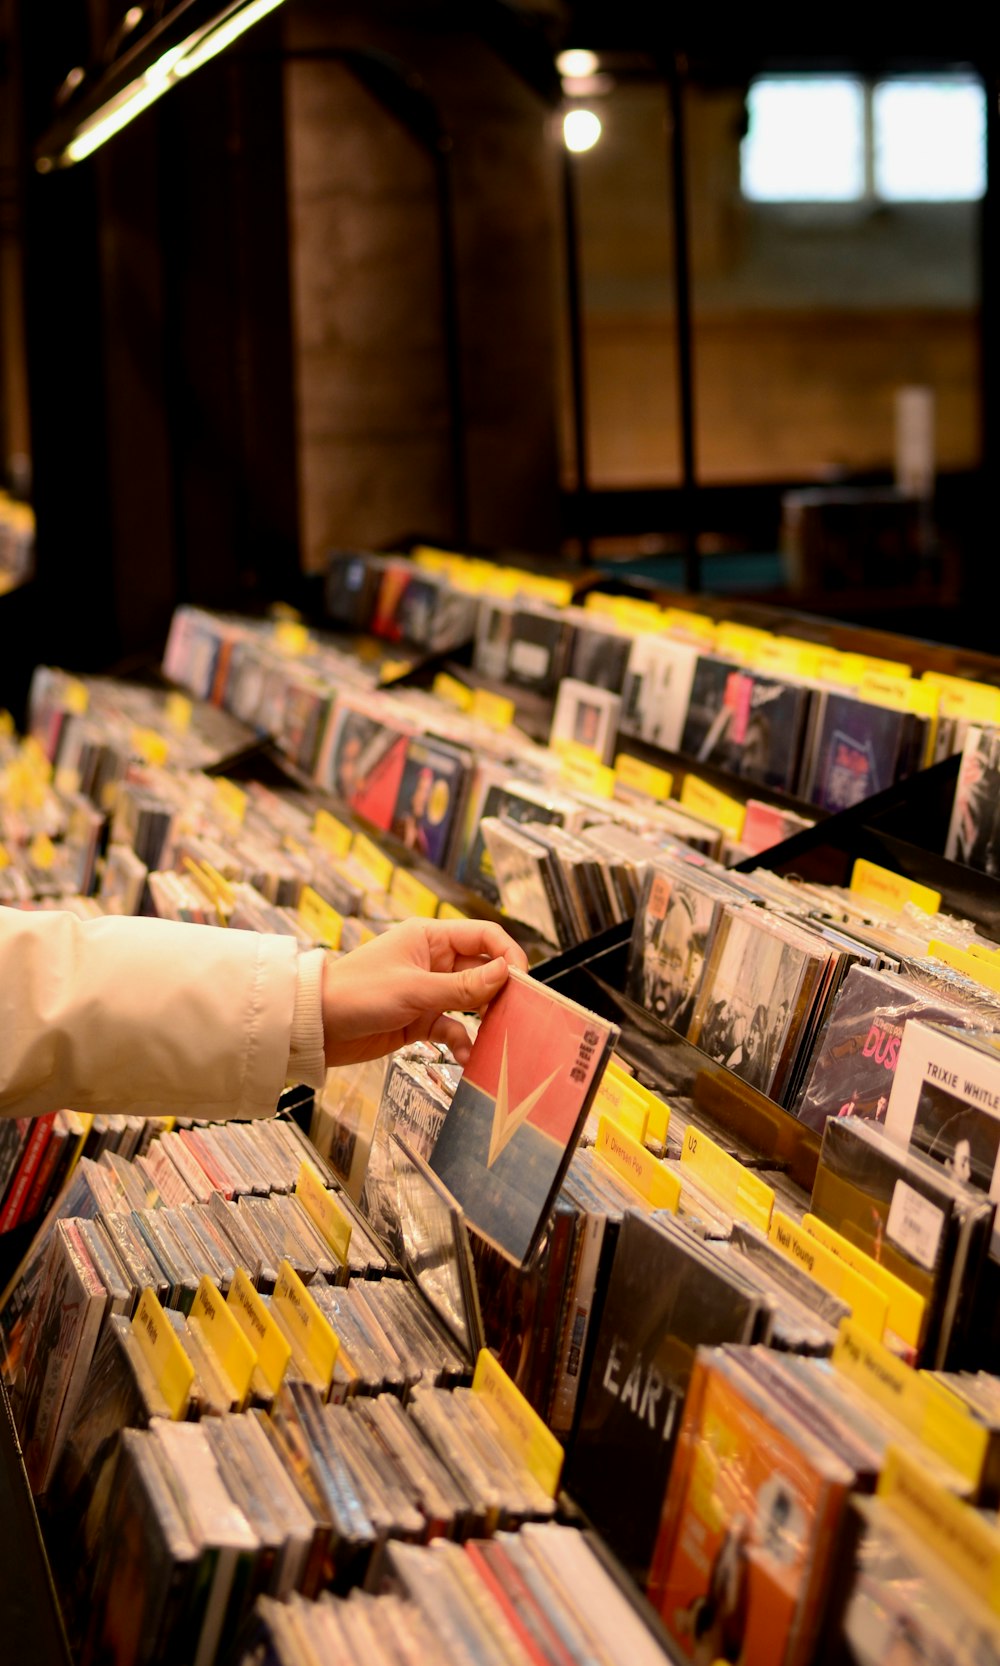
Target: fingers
{"points": [[468, 989], [452, 1035], [469, 938]]}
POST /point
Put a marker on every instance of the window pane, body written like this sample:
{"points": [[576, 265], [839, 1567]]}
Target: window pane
{"points": [[930, 140], [805, 141]]}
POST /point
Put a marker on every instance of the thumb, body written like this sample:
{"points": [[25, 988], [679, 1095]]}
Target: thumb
{"points": [[470, 989]]}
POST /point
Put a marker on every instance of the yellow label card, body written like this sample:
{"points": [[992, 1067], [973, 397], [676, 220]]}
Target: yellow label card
{"points": [[868, 1305], [151, 747], [331, 833], [310, 1330], [34, 759], [224, 1337], [448, 911], [694, 624], [907, 1309], [970, 702], [974, 966], [742, 641], [161, 1348], [6, 725], [580, 769], [956, 1533], [41, 851], [291, 637], [657, 1112], [178, 711], [786, 657], [75, 696], [744, 1194], [319, 918], [392, 669], [374, 861], [643, 778], [411, 895], [434, 560], [892, 889], [924, 1407], [230, 800], [617, 1101], [900, 693], [557, 591], [521, 1427], [494, 709], [450, 689], [4, 857], [714, 806], [656, 1185], [324, 1211], [261, 1329]]}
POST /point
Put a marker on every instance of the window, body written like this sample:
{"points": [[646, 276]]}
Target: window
{"points": [[813, 138]]}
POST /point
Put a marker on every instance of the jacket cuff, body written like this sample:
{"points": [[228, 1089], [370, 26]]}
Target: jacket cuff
{"points": [[306, 1057]]}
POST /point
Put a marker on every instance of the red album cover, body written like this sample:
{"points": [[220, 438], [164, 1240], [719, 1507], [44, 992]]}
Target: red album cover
{"points": [[514, 1122]]}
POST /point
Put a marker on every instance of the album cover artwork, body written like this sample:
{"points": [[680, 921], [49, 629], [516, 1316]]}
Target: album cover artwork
{"points": [[431, 793], [974, 831], [511, 1129], [856, 751]]}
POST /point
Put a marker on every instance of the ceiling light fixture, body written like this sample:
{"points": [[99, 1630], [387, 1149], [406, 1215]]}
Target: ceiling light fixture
{"points": [[576, 63], [581, 130], [173, 65]]}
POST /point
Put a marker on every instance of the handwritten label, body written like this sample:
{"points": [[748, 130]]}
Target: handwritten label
{"points": [[714, 806], [261, 1329], [522, 1429], [579, 768], [892, 889], [313, 1337], [411, 896], [923, 1406], [616, 1100], [786, 657], [907, 1308], [324, 1211], [656, 1185], [161, 1348], [224, 1337], [332, 834], [963, 960], [744, 1194], [899, 693], [915, 1224], [950, 1531], [322, 921], [638, 777], [868, 1305]]}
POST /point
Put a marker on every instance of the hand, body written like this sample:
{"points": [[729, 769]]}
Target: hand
{"points": [[396, 988]]}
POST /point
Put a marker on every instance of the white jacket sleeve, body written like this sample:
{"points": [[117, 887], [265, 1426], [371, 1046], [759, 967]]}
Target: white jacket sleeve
{"points": [[143, 1016]]}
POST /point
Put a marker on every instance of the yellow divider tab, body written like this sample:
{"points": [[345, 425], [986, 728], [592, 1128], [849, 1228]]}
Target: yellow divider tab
{"points": [[657, 1113], [975, 966], [907, 1309], [892, 889], [868, 1305], [163, 1353], [714, 806], [332, 834], [324, 1211], [411, 894], [230, 799], [643, 778], [291, 637], [744, 1193], [448, 911], [644, 1173], [899, 693], [618, 1101], [921, 1405], [178, 711], [75, 696], [522, 1428], [317, 1341], [261, 1329], [450, 689], [224, 1337], [956, 1533], [320, 919], [494, 709], [580, 768], [41, 851], [151, 747], [374, 861]]}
